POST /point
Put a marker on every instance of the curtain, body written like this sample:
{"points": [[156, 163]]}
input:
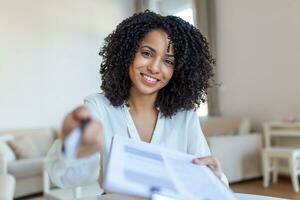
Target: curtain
{"points": [[204, 17]]}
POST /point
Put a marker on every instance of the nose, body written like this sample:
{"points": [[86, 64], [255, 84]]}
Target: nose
{"points": [[154, 66]]}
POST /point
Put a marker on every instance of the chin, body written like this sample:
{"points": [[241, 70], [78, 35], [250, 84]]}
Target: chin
{"points": [[147, 91]]}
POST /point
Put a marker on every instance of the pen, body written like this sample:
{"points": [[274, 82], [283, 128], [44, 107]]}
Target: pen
{"points": [[72, 142]]}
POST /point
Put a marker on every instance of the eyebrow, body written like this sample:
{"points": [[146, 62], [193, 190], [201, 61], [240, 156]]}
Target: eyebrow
{"points": [[147, 46]]}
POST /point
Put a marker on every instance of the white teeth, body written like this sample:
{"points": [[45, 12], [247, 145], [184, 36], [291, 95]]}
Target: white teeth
{"points": [[150, 79]]}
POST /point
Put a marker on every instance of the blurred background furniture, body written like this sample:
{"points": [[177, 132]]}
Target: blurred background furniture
{"points": [[51, 192], [24, 151], [7, 181], [237, 149], [280, 159]]}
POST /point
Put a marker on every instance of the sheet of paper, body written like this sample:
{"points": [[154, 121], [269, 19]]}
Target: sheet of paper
{"points": [[196, 182], [138, 168], [135, 170]]}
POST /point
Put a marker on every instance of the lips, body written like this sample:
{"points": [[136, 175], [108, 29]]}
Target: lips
{"points": [[149, 79]]}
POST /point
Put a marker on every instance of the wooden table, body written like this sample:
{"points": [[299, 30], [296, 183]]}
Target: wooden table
{"points": [[240, 196], [282, 129]]}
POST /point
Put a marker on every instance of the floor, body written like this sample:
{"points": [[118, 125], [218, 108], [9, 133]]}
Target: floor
{"points": [[282, 189], [32, 197]]}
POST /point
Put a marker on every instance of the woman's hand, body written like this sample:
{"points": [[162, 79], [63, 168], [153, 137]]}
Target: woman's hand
{"points": [[92, 140], [212, 163]]}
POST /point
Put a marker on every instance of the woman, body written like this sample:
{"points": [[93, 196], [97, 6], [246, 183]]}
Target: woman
{"points": [[155, 73]]}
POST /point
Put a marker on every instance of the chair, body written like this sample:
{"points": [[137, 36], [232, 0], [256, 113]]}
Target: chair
{"points": [[7, 181], [53, 193], [273, 155]]}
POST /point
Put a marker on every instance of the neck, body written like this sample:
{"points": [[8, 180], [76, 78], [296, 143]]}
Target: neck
{"points": [[141, 103]]}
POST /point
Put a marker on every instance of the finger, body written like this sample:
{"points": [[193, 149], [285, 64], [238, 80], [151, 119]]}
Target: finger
{"points": [[92, 140], [93, 134], [213, 167], [211, 163], [81, 113], [73, 120], [208, 160], [68, 125]]}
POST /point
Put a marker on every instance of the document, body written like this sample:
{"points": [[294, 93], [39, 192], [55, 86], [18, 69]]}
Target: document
{"points": [[140, 169]]}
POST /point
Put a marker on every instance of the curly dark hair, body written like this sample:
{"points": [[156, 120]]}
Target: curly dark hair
{"points": [[193, 62]]}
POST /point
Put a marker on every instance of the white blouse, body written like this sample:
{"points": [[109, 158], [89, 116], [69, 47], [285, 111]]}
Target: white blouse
{"points": [[181, 132]]}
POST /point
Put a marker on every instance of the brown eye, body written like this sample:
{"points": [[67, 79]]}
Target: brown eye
{"points": [[169, 62], [146, 54]]}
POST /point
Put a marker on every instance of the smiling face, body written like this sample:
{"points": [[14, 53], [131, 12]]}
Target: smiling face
{"points": [[153, 64]]}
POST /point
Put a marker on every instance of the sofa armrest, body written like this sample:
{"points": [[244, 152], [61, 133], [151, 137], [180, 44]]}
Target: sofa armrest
{"points": [[7, 186], [239, 155], [7, 181], [3, 165]]}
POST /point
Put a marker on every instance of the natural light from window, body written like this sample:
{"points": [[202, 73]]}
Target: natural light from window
{"points": [[187, 15]]}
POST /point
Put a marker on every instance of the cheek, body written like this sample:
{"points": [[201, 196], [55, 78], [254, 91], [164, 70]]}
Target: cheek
{"points": [[139, 62], [131, 72], [169, 73]]}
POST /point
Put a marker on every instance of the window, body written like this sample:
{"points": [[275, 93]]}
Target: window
{"points": [[187, 15]]}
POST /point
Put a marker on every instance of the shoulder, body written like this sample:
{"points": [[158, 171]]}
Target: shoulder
{"points": [[185, 118], [98, 105], [97, 99]]}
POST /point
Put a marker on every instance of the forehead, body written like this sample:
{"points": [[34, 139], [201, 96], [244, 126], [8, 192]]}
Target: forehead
{"points": [[159, 40]]}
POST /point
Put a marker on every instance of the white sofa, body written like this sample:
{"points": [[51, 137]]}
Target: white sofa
{"points": [[24, 151], [237, 149]]}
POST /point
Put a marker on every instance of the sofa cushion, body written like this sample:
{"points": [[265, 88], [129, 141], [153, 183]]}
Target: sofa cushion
{"points": [[25, 167], [7, 152], [24, 147], [245, 127], [43, 138], [5, 138], [213, 126]]}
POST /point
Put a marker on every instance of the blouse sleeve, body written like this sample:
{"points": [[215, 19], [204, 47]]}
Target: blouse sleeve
{"points": [[70, 173], [197, 143], [95, 107]]}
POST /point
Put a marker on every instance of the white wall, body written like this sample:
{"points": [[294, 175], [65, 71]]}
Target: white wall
{"points": [[49, 56], [258, 58]]}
